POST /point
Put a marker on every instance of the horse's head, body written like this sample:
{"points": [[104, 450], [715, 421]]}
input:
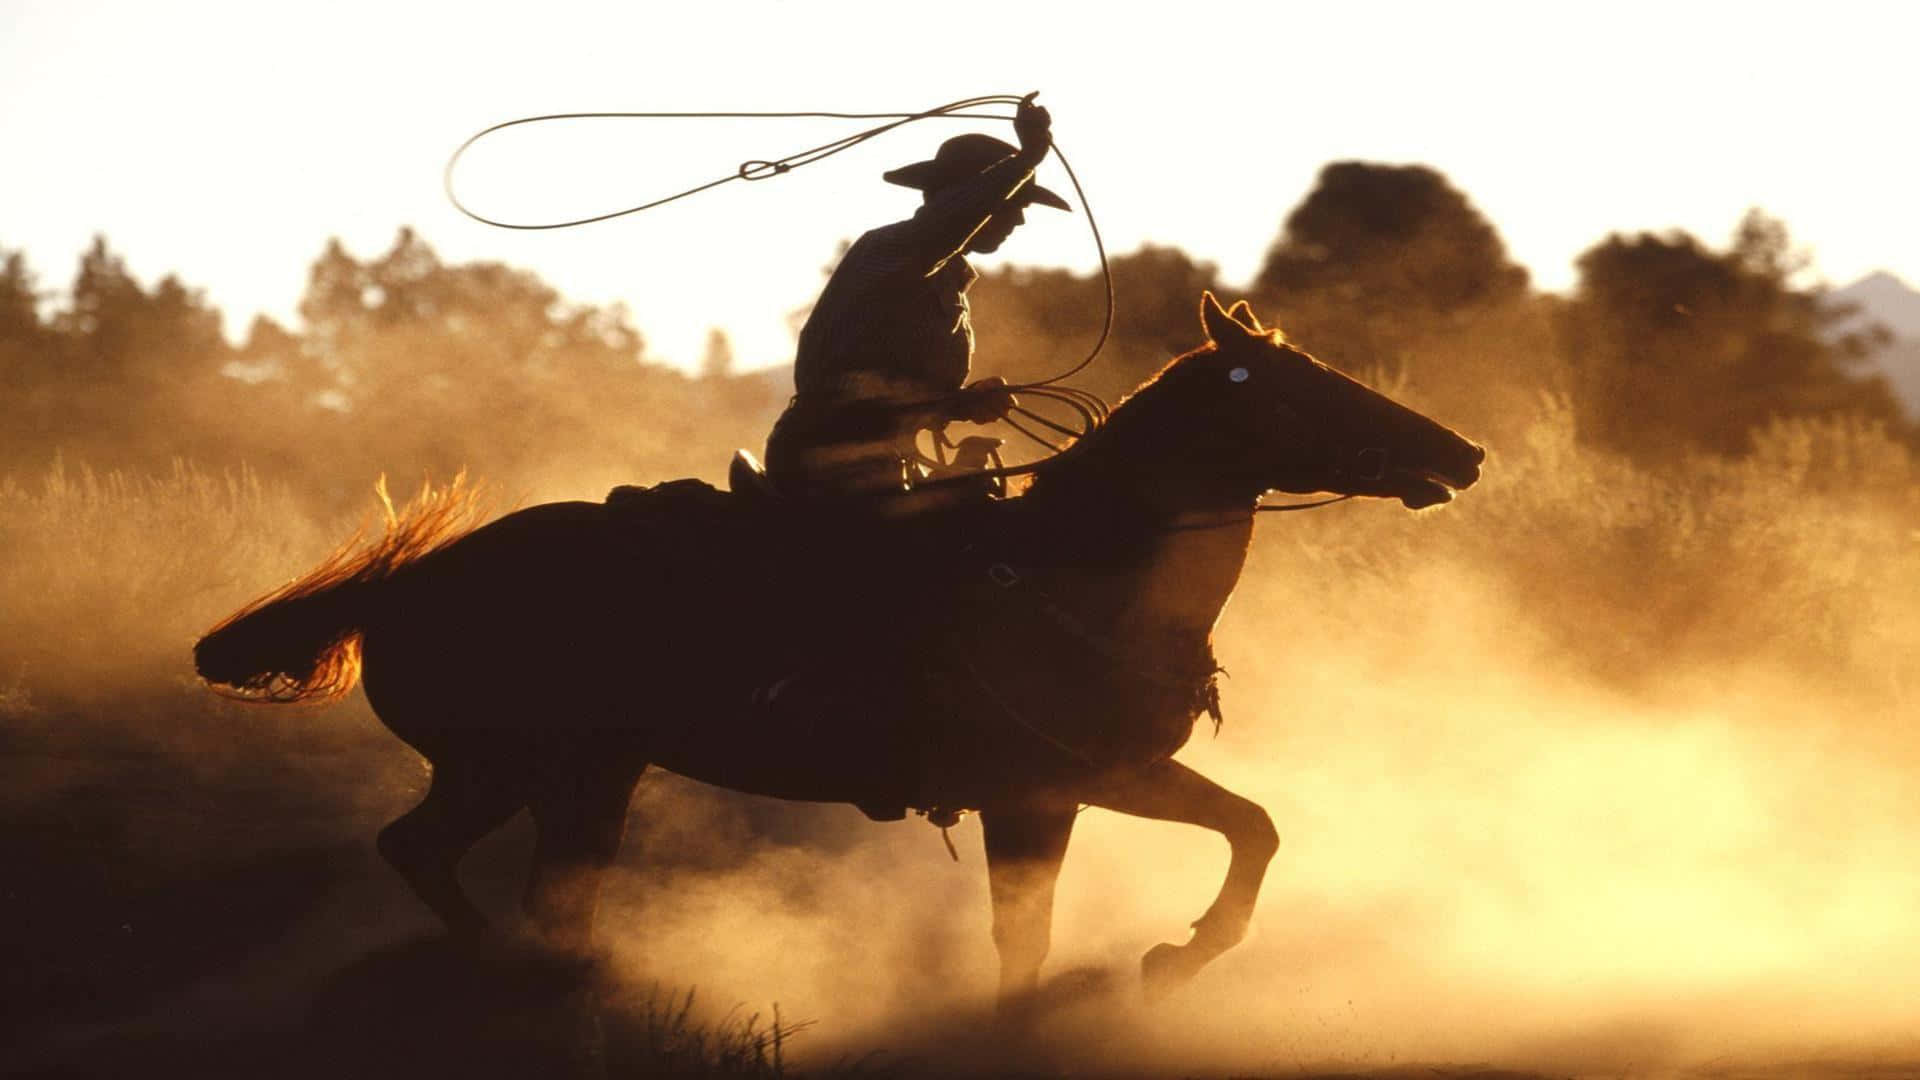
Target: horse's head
{"points": [[1276, 419]]}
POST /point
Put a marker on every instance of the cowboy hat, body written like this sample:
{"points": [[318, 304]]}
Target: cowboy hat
{"points": [[965, 156]]}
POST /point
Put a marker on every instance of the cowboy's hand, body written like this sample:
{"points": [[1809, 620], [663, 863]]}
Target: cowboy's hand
{"points": [[986, 401], [1034, 125]]}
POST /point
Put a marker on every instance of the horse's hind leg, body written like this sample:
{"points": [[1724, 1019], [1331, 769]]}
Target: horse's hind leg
{"points": [[580, 813], [465, 802]]}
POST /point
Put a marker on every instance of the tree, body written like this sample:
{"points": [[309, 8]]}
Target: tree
{"points": [[1035, 323], [1390, 273], [120, 374], [1390, 237], [1673, 346], [26, 358], [717, 361], [118, 335], [482, 366], [19, 302]]}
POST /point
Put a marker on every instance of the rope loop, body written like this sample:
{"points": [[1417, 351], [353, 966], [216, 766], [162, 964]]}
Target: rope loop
{"points": [[1089, 408], [752, 169]]}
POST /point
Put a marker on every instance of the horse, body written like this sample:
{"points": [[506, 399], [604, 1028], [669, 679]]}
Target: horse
{"points": [[1028, 656]]}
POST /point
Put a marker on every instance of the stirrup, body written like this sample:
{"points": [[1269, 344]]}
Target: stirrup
{"points": [[975, 453]]}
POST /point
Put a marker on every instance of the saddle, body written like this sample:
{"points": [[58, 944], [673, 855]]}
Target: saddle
{"points": [[838, 588], [747, 489], [816, 570]]}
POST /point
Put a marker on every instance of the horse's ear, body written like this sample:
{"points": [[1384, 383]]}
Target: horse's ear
{"points": [[1242, 313], [1220, 327]]}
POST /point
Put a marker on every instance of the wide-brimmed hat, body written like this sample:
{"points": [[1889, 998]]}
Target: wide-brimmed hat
{"points": [[964, 156]]}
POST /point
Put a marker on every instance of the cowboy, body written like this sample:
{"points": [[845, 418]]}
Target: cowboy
{"points": [[886, 351]]}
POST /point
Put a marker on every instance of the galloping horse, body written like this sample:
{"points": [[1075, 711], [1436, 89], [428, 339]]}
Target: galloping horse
{"points": [[1057, 655]]}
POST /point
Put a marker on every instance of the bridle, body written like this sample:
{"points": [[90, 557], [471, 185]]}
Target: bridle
{"points": [[1369, 462]]}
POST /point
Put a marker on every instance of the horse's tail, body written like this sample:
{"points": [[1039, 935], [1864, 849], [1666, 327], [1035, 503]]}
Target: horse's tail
{"points": [[301, 642]]}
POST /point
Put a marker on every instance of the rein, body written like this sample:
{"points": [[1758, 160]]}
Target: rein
{"points": [[1094, 420], [1260, 508], [1288, 508]]}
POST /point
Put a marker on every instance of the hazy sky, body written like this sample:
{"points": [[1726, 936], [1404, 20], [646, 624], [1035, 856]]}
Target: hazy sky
{"points": [[227, 141]]}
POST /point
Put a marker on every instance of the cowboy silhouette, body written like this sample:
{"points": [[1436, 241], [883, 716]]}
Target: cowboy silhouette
{"points": [[886, 351]]}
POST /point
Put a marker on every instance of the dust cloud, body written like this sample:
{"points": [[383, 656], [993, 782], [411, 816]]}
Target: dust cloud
{"points": [[1607, 768], [1498, 846]]}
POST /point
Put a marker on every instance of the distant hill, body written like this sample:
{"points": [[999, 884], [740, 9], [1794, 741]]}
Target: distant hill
{"points": [[1891, 302], [1885, 299]]}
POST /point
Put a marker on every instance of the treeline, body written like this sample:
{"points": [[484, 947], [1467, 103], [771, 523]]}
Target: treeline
{"points": [[1665, 347], [400, 364], [403, 364]]}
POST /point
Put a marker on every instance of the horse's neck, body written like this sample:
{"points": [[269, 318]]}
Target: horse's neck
{"points": [[1188, 577], [1154, 571]]}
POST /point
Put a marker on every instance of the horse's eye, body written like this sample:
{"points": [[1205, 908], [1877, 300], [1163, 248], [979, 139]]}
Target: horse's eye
{"points": [[1238, 374]]}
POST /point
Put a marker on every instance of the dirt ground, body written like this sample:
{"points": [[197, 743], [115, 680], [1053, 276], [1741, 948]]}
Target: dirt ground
{"points": [[172, 909]]}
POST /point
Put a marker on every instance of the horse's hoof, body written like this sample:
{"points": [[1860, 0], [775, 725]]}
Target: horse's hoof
{"points": [[1165, 969]]}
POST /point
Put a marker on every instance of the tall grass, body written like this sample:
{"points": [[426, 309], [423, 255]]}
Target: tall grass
{"points": [[1799, 563], [659, 1035], [111, 576], [1805, 554]]}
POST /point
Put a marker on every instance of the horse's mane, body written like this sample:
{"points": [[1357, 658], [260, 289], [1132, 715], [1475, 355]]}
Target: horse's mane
{"points": [[1156, 415], [1148, 403]]}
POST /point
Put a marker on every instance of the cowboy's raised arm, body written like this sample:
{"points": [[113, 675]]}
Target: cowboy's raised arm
{"points": [[941, 228]]}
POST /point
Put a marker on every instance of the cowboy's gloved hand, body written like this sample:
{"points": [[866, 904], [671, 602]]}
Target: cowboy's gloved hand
{"points": [[1034, 125], [985, 401]]}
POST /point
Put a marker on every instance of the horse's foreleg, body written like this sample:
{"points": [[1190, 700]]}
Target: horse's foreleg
{"points": [[580, 815], [1169, 791], [1025, 845]]}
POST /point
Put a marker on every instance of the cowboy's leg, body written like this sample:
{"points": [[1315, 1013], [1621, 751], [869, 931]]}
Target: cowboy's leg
{"points": [[836, 449]]}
